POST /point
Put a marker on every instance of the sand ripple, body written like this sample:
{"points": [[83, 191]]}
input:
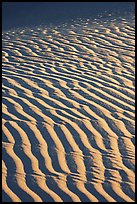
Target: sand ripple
{"points": [[68, 112]]}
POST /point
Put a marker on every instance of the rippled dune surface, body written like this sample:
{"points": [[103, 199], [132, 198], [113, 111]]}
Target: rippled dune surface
{"points": [[68, 112]]}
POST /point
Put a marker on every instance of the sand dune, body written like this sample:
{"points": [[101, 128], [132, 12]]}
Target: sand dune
{"points": [[68, 112]]}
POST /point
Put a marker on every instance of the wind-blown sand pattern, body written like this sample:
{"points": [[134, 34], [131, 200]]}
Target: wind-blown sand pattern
{"points": [[68, 112]]}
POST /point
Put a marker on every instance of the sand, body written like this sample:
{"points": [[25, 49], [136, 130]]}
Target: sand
{"points": [[68, 112]]}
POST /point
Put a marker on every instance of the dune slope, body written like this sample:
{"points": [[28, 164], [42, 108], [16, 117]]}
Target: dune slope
{"points": [[68, 112]]}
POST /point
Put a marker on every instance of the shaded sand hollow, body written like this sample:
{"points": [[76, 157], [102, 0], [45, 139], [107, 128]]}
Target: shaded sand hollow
{"points": [[68, 112]]}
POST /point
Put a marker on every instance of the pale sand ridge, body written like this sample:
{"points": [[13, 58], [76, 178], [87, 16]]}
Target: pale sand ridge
{"points": [[68, 112]]}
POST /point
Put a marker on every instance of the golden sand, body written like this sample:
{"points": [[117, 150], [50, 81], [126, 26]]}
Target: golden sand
{"points": [[68, 113]]}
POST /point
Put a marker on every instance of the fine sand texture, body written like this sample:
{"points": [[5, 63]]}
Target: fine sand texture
{"points": [[68, 112]]}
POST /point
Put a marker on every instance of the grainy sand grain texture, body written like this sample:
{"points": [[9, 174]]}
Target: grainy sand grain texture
{"points": [[68, 112]]}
